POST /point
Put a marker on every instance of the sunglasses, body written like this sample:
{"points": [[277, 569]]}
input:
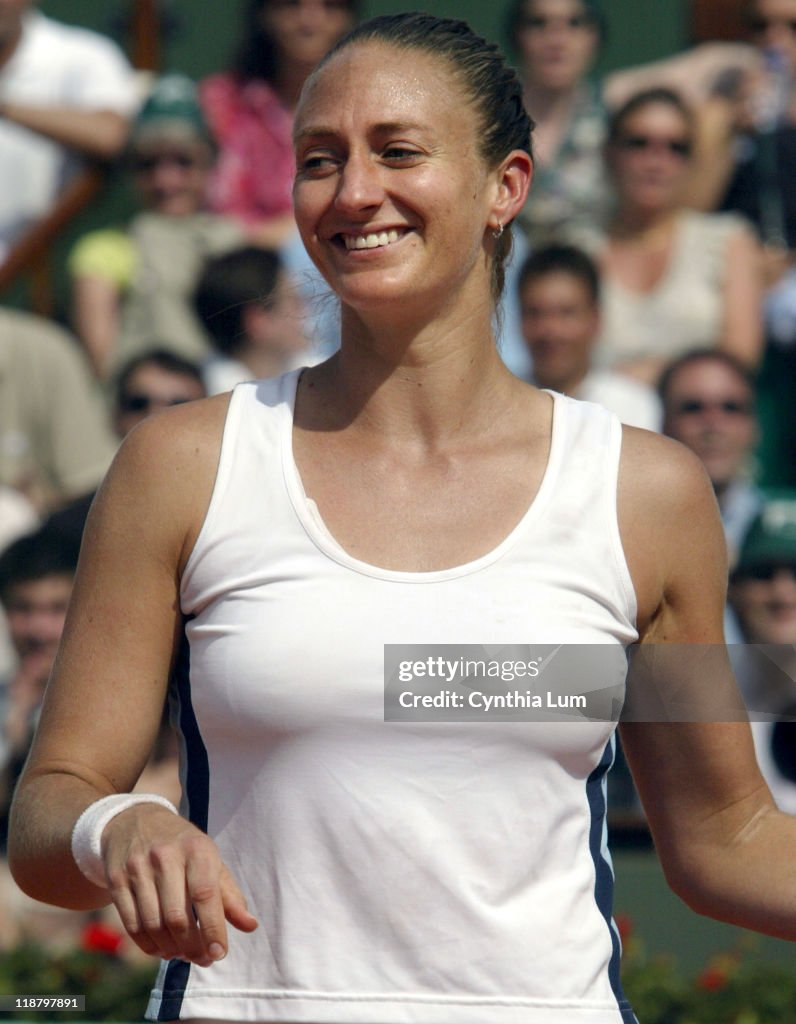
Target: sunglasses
{"points": [[139, 402], [696, 407], [760, 25], [147, 164], [538, 23], [641, 143], [766, 573]]}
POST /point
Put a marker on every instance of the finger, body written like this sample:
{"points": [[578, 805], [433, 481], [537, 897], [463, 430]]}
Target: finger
{"points": [[177, 915], [236, 909], [126, 908], [147, 900], [204, 893]]}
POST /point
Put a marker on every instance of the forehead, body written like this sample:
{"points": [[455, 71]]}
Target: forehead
{"points": [[657, 114], [375, 77], [708, 377], [43, 588], [773, 8], [556, 285], [152, 375], [555, 8]]}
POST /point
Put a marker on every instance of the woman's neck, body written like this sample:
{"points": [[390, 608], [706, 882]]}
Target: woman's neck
{"points": [[418, 384], [552, 113], [645, 227]]}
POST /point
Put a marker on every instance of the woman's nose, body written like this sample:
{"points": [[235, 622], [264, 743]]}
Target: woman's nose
{"points": [[360, 186]]}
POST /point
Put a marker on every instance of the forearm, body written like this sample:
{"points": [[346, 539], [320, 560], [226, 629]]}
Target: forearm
{"points": [[43, 814], [96, 320], [748, 879], [96, 133]]}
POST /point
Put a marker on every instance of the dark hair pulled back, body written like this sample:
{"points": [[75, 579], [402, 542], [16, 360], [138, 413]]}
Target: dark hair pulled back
{"points": [[492, 86]]}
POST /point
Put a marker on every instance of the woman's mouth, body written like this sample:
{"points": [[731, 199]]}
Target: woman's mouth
{"points": [[371, 240]]}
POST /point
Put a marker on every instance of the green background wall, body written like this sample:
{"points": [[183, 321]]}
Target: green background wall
{"points": [[204, 30]]}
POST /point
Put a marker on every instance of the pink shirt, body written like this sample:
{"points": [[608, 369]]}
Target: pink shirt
{"points": [[253, 177]]}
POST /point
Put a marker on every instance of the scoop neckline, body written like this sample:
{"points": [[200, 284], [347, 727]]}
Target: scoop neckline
{"points": [[324, 540]]}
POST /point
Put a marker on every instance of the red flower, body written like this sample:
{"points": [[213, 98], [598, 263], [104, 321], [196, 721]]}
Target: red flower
{"points": [[101, 938], [712, 979], [624, 924]]}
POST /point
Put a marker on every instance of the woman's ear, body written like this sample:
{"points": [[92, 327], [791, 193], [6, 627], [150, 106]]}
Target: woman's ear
{"points": [[513, 177]]}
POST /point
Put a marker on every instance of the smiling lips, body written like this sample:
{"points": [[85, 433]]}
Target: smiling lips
{"points": [[371, 241]]}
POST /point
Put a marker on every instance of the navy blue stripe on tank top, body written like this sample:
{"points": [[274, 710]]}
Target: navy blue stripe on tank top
{"points": [[197, 794], [603, 874]]}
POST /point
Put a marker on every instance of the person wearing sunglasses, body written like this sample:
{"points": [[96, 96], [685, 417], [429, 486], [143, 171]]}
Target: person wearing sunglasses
{"points": [[674, 278], [153, 381], [709, 405], [763, 598], [132, 288]]}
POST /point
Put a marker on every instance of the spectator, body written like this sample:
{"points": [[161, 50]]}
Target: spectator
{"points": [[152, 381], [55, 440], [763, 596], [556, 42], [132, 288], [709, 406], [250, 309], [65, 93], [250, 109], [36, 574], [559, 291], [673, 279], [764, 151]]}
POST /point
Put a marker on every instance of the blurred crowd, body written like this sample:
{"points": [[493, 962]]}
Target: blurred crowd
{"points": [[653, 271]]}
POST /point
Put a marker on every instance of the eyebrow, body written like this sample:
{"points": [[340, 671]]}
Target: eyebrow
{"points": [[382, 128]]}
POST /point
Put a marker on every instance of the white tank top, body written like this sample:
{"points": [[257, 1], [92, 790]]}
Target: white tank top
{"points": [[402, 873]]}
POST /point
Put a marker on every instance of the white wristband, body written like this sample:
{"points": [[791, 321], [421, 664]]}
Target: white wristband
{"points": [[87, 833]]}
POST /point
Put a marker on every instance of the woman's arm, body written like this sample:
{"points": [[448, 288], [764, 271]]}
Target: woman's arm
{"points": [[742, 335], [95, 314], [104, 702], [724, 847]]}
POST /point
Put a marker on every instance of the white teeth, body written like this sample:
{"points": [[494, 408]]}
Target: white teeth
{"points": [[372, 241]]}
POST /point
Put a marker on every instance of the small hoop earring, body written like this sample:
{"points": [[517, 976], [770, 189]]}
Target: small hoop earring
{"points": [[497, 232]]}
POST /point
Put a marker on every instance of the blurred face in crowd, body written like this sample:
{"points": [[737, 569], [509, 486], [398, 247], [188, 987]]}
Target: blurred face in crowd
{"points": [[11, 12], [303, 30], [650, 157], [559, 324], [277, 327], [36, 610], [709, 408], [557, 41], [171, 174], [149, 389], [764, 599], [772, 26]]}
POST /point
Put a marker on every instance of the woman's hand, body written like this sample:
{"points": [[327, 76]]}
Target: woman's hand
{"points": [[173, 892]]}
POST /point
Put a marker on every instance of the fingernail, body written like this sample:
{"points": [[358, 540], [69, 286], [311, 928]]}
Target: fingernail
{"points": [[217, 951]]}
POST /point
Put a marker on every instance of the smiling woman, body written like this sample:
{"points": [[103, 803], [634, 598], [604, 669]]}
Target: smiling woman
{"points": [[256, 555]]}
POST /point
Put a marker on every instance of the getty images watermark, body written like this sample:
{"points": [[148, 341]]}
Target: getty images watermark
{"points": [[589, 682]]}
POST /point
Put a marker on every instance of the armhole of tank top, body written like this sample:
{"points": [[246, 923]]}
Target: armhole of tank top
{"points": [[612, 499], [220, 483]]}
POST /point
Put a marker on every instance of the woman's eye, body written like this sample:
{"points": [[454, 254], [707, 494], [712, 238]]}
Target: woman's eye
{"points": [[400, 153], [317, 162]]}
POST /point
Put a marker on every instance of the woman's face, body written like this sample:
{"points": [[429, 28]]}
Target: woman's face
{"points": [[557, 42], [303, 30], [392, 196], [171, 175], [772, 26], [650, 157]]}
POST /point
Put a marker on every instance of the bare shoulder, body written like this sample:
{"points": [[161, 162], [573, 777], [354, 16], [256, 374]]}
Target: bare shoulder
{"points": [[162, 477], [668, 519]]}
